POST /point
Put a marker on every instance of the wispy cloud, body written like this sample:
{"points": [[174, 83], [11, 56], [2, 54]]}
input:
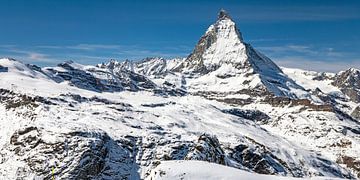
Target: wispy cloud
{"points": [[36, 56], [269, 40], [288, 48], [88, 53], [310, 57], [303, 50], [316, 65], [28, 55], [90, 47]]}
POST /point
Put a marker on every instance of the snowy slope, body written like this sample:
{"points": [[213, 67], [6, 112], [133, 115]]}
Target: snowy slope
{"points": [[143, 118], [197, 170]]}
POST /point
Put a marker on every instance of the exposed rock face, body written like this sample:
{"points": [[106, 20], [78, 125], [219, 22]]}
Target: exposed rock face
{"points": [[100, 80], [152, 66], [81, 79], [356, 113], [322, 76], [148, 67], [209, 149], [254, 115], [350, 162], [259, 160], [74, 155], [349, 83], [3, 69], [15, 100], [284, 101]]}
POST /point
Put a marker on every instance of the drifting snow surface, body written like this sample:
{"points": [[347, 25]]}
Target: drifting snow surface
{"points": [[200, 170], [306, 79], [196, 170], [228, 47]]}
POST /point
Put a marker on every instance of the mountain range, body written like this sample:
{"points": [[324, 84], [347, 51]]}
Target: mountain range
{"points": [[226, 103]]}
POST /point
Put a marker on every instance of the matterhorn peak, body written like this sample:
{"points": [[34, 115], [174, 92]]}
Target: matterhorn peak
{"points": [[223, 14], [221, 43], [225, 25], [221, 50]]}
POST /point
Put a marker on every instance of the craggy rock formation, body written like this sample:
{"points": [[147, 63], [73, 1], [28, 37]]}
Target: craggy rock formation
{"points": [[209, 149]]}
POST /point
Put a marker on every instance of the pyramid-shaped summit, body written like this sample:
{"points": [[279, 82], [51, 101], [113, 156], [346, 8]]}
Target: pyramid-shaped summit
{"points": [[222, 48], [223, 43]]}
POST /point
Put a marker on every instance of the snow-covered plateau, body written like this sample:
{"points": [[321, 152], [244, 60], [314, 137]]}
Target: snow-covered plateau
{"points": [[224, 112]]}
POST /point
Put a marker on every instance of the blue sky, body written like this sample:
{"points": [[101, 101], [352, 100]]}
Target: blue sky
{"points": [[310, 34]]}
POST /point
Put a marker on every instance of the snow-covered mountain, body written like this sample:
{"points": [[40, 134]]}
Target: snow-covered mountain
{"points": [[226, 103]]}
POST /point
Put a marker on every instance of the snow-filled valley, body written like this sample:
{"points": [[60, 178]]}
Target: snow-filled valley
{"points": [[224, 112]]}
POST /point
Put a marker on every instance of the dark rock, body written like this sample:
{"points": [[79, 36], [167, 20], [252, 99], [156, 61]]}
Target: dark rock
{"points": [[254, 115], [356, 113], [4, 69], [349, 83], [79, 155], [209, 149], [14, 100], [158, 104], [350, 162], [285, 101], [259, 160]]}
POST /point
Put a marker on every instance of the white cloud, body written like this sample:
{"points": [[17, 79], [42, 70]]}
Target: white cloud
{"points": [[95, 46], [317, 65], [36, 56], [274, 50]]}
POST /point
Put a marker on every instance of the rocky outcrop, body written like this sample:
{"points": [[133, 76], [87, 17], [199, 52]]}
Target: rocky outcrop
{"points": [[259, 160], [284, 101], [349, 83], [350, 162], [72, 155], [83, 79], [3, 69], [207, 148], [254, 115], [356, 113], [100, 80], [14, 100]]}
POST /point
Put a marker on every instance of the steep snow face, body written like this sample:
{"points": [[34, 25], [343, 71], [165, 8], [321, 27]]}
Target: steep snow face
{"points": [[227, 48], [222, 60], [222, 43]]}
